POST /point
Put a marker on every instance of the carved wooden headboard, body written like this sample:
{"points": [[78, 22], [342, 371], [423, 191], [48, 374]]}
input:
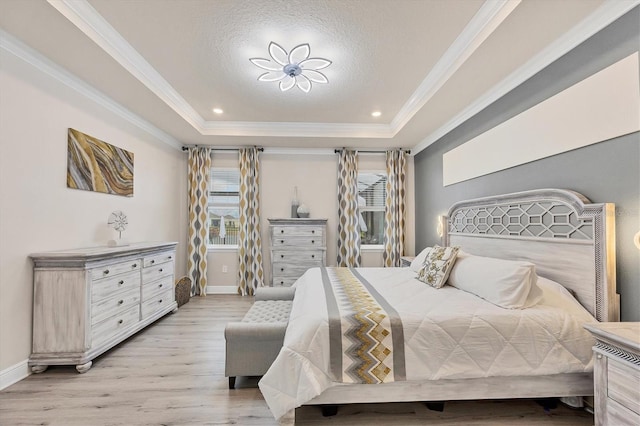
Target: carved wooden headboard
{"points": [[568, 238]]}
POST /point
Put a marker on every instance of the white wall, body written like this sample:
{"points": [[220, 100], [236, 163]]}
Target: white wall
{"points": [[39, 213], [316, 179]]}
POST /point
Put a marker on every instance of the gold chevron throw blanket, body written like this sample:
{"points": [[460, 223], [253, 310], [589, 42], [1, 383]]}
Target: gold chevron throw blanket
{"points": [[365, 332]]}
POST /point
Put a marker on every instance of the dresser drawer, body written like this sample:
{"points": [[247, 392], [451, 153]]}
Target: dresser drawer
{"points": [[618, 415], [281, 281], [156, 272], [302, 242], [114, 304], [116, 324], [157, 259], [287, 269], [116, 268], [624, 385], [315, 257], [297, 231], [150, 289], [105, 287], [157, 303]]}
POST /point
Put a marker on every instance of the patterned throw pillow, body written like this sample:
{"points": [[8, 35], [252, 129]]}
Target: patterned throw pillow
{"points": [[437, 265]]}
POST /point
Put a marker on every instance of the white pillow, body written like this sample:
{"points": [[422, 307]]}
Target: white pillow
{"points": [[507, 283], [416, 264]]}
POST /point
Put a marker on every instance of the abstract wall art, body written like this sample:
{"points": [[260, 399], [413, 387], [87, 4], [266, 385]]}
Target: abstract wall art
{"points": [[94, 165]]}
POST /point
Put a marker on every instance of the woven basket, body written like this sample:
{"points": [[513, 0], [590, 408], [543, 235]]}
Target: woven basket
{"points": [[183, 290]]}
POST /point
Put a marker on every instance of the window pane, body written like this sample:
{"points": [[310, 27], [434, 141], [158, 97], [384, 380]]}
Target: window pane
{"points": [[371, 196], [223, 206], [374, 223]]}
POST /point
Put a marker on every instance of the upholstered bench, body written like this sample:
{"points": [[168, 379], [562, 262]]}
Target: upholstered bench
{"points": [[253, 343]]}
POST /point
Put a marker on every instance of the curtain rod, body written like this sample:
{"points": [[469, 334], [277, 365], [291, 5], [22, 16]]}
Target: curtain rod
{"points": [[186, 148], [365, 151]]}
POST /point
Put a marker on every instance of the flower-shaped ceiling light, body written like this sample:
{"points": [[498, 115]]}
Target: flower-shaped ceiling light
{"points": [[292, 69]]}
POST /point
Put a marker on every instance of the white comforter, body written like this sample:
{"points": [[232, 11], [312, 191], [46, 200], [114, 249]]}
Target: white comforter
{"points": [[449, 334]]}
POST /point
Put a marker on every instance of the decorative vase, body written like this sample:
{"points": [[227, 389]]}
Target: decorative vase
{"points": [[294, 203], [303, 211]]}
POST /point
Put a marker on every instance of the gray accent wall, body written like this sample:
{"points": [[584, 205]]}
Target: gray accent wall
{"points": [[608, 171]]}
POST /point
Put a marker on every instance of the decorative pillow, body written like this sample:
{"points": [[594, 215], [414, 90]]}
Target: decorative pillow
{"points": [[437, 265], [507, 283], [416, 264]]}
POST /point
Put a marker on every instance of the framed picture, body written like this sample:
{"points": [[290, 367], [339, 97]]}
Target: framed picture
{"points": [[95, 165]]}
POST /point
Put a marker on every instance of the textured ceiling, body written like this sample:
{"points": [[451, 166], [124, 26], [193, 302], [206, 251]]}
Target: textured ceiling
{"points": [[423, 64]]}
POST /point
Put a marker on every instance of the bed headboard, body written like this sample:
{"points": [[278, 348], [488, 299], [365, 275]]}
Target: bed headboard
{"points": [[569, 239]]}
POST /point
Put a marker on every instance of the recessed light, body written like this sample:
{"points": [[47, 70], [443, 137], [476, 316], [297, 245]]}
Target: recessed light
{"points": [[376, 114], [218, 111]]}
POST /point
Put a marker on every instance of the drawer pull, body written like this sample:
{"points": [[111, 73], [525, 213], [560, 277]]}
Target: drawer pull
{"points": [[120, 282], [170, 257], [313, 256], [153, 261], [282, 256], [282, 231], [120, 322], [135, 265], [281, 241], [160, 301], [106, 271], [313, 241], [313, 231], [281, 269], [120, 302], [160, 285], [160, 270], [281, 282]]}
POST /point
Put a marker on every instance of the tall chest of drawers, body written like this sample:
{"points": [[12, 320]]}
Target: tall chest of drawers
{"points": [[296, 245], [616, 373], [86, 301]]}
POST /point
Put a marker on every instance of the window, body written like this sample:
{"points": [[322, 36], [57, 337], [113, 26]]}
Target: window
{"points": [[224, 210], [371, 196]]}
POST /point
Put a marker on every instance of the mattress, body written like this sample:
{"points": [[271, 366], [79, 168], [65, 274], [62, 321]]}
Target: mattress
{"points": [[448, 334]]}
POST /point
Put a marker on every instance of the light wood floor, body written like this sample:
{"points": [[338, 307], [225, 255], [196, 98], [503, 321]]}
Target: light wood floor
{"points": [[172, 373]]}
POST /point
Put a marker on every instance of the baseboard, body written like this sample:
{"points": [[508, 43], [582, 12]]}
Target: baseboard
{"points": [[222, 289], [14, 374]]}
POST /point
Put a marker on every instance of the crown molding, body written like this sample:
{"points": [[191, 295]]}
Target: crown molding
{"points": [[292, 129], [94, 26], [20, 50], [596, 21], [482, 25]]}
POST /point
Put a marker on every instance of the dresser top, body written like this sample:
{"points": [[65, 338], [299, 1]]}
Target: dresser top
{"points": [[623, 334], [92, 253], [298, 221]]}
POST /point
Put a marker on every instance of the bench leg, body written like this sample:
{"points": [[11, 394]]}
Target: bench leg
{"points": [[232, 382]]}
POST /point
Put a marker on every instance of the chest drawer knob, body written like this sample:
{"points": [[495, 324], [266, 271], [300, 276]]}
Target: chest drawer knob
{"points": [[282, 231], [120, 282], [153, 261], [313, 231], [120, 322], [170, 257], [160, 301], [313, 256], [106, 272], [281, 269], [120, 302], [160, 270], [282, 256], [281, 282], [160, 285], [313, 241]]}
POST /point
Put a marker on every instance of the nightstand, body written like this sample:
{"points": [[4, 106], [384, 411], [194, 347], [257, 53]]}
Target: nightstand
{"points": [[405, 261], [616, 373]]}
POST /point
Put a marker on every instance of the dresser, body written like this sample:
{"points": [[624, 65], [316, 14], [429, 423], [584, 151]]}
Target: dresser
{"points": [[616, 373], [296, 245], [86, 301]]}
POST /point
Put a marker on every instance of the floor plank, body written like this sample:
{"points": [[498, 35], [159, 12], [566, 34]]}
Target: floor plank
{"points": [[172, 373]]}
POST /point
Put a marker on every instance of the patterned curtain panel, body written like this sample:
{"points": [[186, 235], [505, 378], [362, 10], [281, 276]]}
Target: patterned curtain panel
{"points": [[394, 208], [199, 166], [251, 275], [348, 228]]}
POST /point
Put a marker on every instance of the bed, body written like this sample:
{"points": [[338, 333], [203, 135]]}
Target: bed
{"points": [[568, 239]]}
